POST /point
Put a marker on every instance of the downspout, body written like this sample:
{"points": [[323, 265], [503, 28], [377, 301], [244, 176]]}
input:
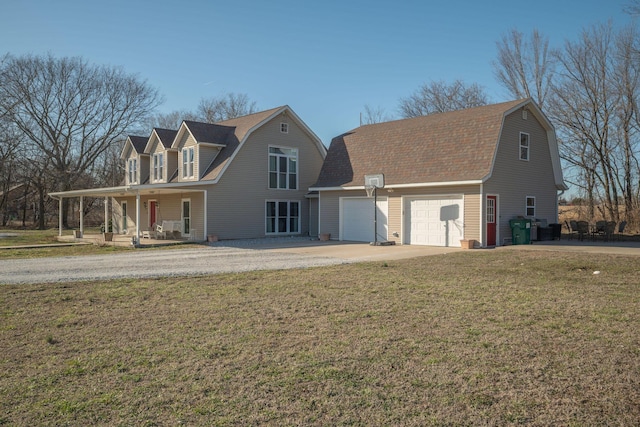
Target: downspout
{"points": [[206, 215], [106, 213]]}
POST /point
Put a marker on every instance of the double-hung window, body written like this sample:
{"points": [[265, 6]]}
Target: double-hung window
{"points": [[132, 169], [524, 146], [530, 206], [283, 216], [188, 156], [158, 167], [283, 168]]}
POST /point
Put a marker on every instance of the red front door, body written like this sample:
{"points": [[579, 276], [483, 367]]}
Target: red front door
{"points": [[152, 213], [492, 208]]}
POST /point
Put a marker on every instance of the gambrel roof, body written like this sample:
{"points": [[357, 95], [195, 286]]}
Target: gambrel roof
{"points": [[452, 147]]}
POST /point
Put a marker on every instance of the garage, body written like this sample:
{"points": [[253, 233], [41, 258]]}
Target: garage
{"points": [[433, 221], [357, 219]]}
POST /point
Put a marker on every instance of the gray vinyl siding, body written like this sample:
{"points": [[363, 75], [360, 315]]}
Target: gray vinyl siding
{"points": [[513, 179], [330, 208], [205, 157], [237, 206]]}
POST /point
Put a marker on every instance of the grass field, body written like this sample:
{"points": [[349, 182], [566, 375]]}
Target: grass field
{"points": [[472, 338]]}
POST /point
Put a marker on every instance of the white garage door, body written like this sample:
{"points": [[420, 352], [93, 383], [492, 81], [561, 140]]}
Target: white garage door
{"points": [[357, 219], [433, 222]]}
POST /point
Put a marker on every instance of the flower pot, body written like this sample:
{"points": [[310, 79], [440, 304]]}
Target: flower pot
{"points": [[325, 236], [77, 234], [467, 244], [108, 236], [212, 238]]}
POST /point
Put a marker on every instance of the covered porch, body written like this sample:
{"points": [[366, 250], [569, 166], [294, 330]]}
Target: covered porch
{"points": [[133, 215]]}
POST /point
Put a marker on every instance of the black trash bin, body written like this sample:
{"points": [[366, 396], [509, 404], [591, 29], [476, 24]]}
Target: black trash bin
{"points": [[520, 231], [556, 231]]}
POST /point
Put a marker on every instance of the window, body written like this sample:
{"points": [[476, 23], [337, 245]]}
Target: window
{"points": [[187, 162], [158, 167], [283, 168], [186, 217], [132, 169], [531, 206], [124, 217], [283, 217], [284, 127], [524, 146]]}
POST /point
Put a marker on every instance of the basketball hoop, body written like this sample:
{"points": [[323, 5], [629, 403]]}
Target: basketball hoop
{"points": [[371, 189]]}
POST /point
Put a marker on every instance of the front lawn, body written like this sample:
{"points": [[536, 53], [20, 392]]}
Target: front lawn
{"points": [[471, 338]]}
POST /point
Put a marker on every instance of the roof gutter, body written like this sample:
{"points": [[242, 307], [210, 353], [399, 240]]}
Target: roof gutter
{"points": [[400, 186]]}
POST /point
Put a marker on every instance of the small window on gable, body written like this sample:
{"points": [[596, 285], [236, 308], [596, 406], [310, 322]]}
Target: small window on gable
{"points": [[531, 206], [524, 146], [284, 127]]}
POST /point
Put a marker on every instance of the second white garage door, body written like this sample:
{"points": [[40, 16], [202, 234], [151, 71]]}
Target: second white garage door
{"points": [[433, 221], [357, 219]]}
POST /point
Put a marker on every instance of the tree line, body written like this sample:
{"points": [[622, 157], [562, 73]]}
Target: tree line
{"points": [[63, 120]]}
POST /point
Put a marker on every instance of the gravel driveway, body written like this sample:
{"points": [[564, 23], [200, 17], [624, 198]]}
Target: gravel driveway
{"points": [[155, 263]]}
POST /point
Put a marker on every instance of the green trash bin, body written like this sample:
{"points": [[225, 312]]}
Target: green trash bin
{"points": [[520, 231]]}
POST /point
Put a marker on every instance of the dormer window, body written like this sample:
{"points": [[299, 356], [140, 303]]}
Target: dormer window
{"points": [[158, 167], [188, 157], [132, 170]]}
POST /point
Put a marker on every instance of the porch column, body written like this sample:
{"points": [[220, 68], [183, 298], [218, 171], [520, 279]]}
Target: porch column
{"points": [[82, 216], [137, 218], [60, 216], [106, 213]]}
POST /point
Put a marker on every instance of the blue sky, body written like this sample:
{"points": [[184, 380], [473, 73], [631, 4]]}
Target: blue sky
{"points": [[326, 59]]}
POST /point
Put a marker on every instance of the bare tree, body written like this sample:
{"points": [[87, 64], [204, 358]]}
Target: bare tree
{"points": [[374, 115], [71, 111], [595, 108], [171, 120], [525, 67], [224, 107], [439, 97]]}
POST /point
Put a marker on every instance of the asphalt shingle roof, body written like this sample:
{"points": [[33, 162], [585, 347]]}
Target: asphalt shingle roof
{"points": [[139, 143], [444, 147]]}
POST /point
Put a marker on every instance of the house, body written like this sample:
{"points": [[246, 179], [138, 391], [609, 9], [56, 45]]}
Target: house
{"points": [[447, 177], [241, 178]]}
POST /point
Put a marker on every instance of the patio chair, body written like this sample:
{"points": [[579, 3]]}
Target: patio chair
{"points": [[160, 232], [621, 227], [599, 230], [609, 230], [572, 228], [583, 229]]}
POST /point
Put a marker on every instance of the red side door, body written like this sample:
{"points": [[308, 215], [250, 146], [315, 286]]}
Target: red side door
{"points": [[492, 209]]}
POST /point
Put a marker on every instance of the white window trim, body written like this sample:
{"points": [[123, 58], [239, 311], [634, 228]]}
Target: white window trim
{"points": [[186, 173], [527, 207], [266, 218], [158, 167], [284, 127], [132, 173], [528, 147], [297, 158]]}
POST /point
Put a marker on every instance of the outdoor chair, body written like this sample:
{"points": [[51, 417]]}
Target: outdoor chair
{"points": [[599, 230], [583, 229], [160, 232], [621, 227], [609, 230], [572, 228]]}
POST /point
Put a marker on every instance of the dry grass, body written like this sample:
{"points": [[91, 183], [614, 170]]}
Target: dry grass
{"points": [[474, 338]]}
